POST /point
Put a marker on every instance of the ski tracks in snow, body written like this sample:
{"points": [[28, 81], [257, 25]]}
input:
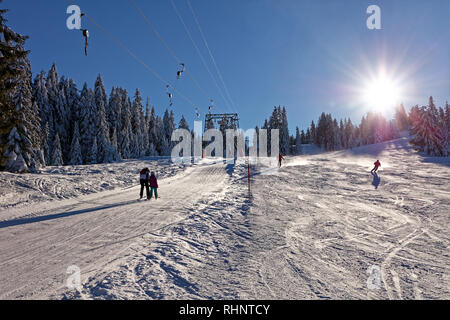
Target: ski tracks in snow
{"points": [[194, 257], [333, 225]]}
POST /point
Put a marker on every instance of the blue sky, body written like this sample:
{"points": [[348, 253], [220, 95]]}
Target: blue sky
{"points": [[308, 55]]}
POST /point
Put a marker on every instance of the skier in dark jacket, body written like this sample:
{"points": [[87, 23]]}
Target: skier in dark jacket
{"points": [[153, 185], [280, 158], [377, 164], [144, 178]]}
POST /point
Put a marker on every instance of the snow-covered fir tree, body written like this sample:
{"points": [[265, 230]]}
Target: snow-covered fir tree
{"points": [[428, 132], [20, 142], [278, 120], [105, 151], [137, 125], [183, 123], [401, 118], [127, 143], [298, 140], [145, 129], [88, 123], [113, 113], [168, 128], [56, 157], [91, 157], [75, 149]]}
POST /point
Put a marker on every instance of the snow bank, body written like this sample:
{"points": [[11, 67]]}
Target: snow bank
{"points": [[57, 183]]}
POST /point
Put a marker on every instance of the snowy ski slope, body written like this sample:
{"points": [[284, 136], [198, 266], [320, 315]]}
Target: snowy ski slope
{"points": [[311, 230]]}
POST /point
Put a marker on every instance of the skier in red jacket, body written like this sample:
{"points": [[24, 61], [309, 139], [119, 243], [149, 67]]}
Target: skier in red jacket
{"points": [[377, 165], [153, 185]]}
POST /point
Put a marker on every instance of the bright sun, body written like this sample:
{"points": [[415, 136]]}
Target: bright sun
{"points": [[381, 93]]}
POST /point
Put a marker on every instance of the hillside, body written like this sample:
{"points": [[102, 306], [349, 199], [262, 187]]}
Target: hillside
{"points": [[320, 227]]}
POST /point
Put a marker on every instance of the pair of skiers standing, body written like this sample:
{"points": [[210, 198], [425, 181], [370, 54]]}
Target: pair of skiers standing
{"points": [[149, 181]]}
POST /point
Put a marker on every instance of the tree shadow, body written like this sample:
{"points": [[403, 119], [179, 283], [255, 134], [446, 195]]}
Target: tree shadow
{"points": [[376, 180], [378, 148], [23, 221], [443, 161]]}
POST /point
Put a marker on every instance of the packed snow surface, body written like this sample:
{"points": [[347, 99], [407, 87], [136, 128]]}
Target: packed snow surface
{"points": [[321, 227]]}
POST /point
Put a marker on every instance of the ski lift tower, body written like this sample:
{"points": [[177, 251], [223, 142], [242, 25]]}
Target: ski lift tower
{"points": [[225, 120]]}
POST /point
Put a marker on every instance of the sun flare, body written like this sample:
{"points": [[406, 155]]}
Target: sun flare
{"points": [[381, 93]]}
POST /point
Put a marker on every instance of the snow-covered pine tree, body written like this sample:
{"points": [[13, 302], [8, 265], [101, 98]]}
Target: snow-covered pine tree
{"points": [[393, 130], [168, 128], [72, 98], [72, 109], [105, 151], [401, 118], [46, 144], [330, 135], [348, 134], [320, 137], [298, 140], [447, 115], [145, 129], [307, 136], [62, 117], [113, 113], [151, 120], [88, 125], [125, 135], [336, 136], [114, 143], [342, 134], [183, 123], [29, 114], [137, 125], [292, 146], [278, 120], [91, 157], [381, 133], [19, 119], [56, 158], [165, 148], [40, 96], [313, 132], [446, 126], [75, 149], [52, 86], [427, 134], [284, 133], [265, 126], [257, 140], [152, 150], [159, 135]]}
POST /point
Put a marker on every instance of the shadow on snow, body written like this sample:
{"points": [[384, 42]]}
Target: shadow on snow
{"points": [[23, 221]]}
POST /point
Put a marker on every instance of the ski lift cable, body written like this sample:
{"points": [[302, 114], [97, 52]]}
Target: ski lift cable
{"points": [[155, 31], [137, 59], [174, 56], [210, 53], [199, 53]]}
